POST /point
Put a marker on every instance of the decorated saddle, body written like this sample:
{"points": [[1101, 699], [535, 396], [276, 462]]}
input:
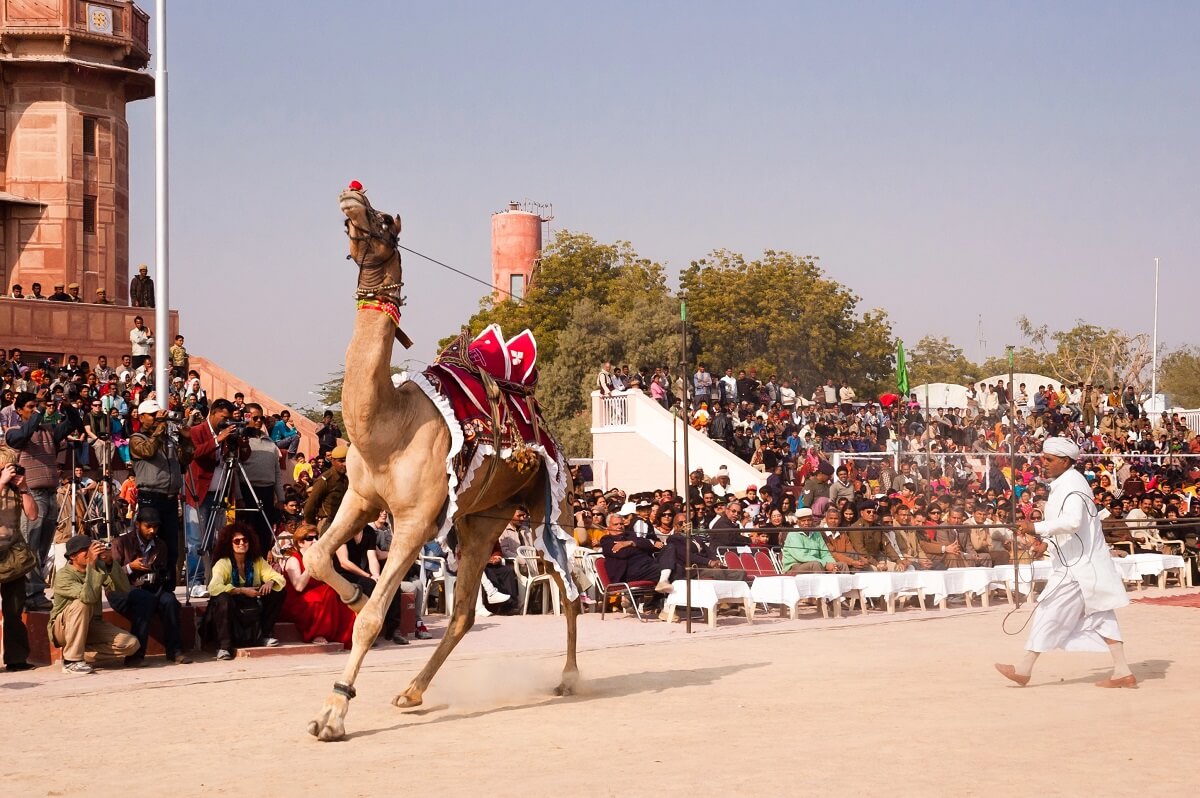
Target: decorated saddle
{"points": [[489, 384], [483, 388]]}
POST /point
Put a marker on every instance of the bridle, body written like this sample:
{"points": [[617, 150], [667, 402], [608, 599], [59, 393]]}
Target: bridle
{"points": [[385, 298]]}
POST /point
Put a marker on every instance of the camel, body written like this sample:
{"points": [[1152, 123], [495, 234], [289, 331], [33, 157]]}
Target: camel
{"points": [[397, 461]]}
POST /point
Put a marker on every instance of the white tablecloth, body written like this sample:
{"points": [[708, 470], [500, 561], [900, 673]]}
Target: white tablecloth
{"points": [[1027, 573], [1136, 566], [706, 592], [787, 590], [876, 584], [954, 582]]}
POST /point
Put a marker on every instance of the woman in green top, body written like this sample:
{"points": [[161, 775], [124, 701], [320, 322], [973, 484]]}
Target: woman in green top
{"points": [[245, 592]]}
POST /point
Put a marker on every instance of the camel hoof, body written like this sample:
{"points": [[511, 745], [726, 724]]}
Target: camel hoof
{"points": [[565, 689], [405, 701], [329, 723]]}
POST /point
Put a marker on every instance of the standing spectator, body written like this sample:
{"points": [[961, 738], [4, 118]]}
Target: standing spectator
{"points": [[207, 439], [702, 383], [285, 434], [73, 292], [25, 430], [727, 386], [325, 496], [178, 356], [59, 294], [605, 382], [35, 291], [16, 502], [327, 435], [154, 451], [141, 289], [76, 620], [17, 292], [102, 297], [264, 470], [140, 340]]}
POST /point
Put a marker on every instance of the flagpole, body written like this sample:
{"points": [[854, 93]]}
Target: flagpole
{"points": [[1154, 344], [162, 303]]}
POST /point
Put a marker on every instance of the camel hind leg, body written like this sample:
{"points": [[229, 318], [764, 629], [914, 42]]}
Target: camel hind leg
{"points": [[476, 539], [570, 674]]}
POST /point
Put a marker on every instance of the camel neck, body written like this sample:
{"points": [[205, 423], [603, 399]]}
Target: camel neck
{"points": [[368, 377]]}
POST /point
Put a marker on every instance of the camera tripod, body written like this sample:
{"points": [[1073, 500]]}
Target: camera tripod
{"points": [[230, 462]]}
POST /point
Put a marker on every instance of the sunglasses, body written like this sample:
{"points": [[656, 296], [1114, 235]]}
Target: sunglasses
{"points": [[240, 542]]}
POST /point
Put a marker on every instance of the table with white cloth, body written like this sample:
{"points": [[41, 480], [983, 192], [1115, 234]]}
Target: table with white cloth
{"points": [[967, 582], [888, 585], [1135, 566], [706, 595], [790, 590], [1027, 573]]}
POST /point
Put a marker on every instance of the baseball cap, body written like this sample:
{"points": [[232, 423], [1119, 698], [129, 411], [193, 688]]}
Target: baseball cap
{"points": [[149, 407]]}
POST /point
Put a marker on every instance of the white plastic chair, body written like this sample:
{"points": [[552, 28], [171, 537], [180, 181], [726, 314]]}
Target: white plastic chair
{"points": [[436, 574], [529, 575]]}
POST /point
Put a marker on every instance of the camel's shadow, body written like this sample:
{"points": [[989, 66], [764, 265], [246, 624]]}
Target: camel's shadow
{"points": [[618, 686]]}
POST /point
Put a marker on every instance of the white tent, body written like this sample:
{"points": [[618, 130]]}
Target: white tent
{"points": [[940, 395]]}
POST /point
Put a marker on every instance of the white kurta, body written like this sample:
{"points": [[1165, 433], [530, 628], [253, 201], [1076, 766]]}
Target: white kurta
{"points": [[1083, 589]]}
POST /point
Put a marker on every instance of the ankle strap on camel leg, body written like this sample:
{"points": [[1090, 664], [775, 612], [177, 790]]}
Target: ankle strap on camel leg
{"points": [[358, 593], [343, 689]]}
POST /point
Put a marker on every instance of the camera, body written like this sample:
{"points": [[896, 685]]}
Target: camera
{"points": [[19, 470]]}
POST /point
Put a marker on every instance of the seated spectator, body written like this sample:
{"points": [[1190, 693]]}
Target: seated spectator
{"points": [[840, 544], [725, 529], [629, 558], [804, 550], [318, 612], [498, 589], [411, 583], [245, 592], [359, 561], [75, 618], [905, 540], [145, 561], [285, 434]]}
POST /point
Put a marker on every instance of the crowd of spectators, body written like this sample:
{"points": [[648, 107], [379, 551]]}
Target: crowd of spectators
{"points": [[113, 489], [141, 292], [887, 483]]}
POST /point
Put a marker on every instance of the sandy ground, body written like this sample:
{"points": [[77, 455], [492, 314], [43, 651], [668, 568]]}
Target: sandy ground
{"points": [[903, 705]]}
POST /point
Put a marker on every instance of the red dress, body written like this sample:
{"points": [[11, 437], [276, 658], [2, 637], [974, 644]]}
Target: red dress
{"points": [[318, 611]]}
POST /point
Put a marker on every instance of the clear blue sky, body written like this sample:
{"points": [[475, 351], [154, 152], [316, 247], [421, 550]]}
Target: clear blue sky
{"points": [[943, 159]]}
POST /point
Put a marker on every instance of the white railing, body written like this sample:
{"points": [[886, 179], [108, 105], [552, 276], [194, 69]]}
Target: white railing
{"points": [[614, 410]]}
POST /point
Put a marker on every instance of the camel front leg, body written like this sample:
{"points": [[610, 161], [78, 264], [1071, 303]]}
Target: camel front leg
{"points": [[330, 721], [354, 513], [570, 674], [474, 551]]}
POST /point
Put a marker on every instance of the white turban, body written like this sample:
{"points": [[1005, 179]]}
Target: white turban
{"points": [[1061, 447]]}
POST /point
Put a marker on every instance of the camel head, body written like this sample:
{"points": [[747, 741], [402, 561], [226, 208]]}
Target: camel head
{"points": [[373, 237]]}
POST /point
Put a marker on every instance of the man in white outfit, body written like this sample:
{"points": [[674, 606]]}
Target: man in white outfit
{"points": [[1075, 613]]}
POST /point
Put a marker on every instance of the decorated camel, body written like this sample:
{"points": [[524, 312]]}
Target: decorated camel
{"points": [[409, 452]]}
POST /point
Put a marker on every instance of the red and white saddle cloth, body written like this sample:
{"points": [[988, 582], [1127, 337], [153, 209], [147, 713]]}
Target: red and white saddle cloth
{"points": [[453, 384]]}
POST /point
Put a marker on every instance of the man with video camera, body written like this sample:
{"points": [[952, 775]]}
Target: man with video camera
{"points": [[209, 441], [264, 469], [155, 455]]}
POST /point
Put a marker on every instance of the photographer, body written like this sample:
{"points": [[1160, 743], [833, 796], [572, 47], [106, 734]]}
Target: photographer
{"points": [[76, 623], [25, 430], [143, 557], [264, 469], [16, 502], [154, 452], [208, 441]]}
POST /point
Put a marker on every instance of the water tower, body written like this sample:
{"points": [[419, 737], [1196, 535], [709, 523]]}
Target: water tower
{"points": [[517, 246]]}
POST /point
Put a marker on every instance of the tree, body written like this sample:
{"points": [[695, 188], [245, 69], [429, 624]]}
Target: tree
{"points": [[1025, 360], [1179, 377], [781, 314], [939, 360], [1089, 353]]}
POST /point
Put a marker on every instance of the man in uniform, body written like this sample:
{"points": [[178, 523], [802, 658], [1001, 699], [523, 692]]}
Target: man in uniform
{"points": [[154, 455], [59, 294], [325, 496], [1076, 610], [73, 292]]}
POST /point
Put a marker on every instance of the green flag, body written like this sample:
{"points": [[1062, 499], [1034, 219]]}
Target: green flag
{"points": [[901, 370]]}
